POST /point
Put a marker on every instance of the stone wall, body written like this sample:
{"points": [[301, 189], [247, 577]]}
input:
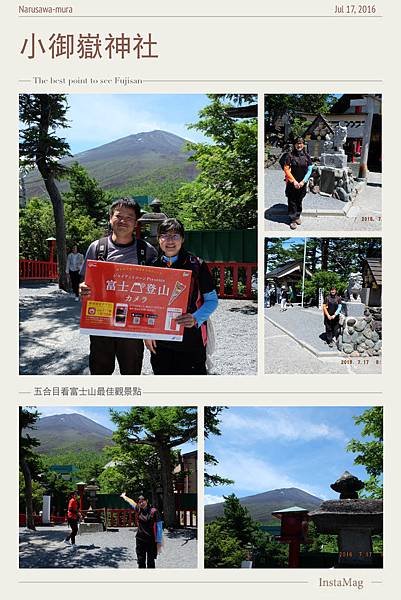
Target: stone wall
{"points": [[361, 336]]}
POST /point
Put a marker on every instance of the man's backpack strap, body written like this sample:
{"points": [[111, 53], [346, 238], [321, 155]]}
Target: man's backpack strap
{"points": [[102, 248]]}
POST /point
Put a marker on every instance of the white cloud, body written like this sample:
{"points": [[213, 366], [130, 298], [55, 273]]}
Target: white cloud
{"points": [[278, 424], [253, 475], [209, 499]]}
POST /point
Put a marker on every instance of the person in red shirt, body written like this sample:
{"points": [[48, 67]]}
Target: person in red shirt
{"points": [[73, 516]]}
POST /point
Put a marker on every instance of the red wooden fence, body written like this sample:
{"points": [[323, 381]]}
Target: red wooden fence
{"points": [[37, 269], [120, 517], [230, 275]]}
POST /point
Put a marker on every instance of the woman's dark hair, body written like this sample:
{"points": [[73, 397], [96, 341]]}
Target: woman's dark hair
{"points": [[125, 203], [173, 225], [299, 140]]}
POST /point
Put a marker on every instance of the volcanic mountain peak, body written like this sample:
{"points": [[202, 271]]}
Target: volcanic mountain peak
{"points": [[261, 506]]}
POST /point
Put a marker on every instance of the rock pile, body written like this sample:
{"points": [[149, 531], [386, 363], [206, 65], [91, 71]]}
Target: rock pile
{"points": [[360, 336]]}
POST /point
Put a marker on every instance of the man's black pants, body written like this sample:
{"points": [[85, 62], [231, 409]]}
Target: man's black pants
{"points": [[146, 553], [332, 329], [73, 523], [104, 351]]}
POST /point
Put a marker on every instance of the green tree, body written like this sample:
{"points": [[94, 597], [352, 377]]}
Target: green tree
{"points": [[370, 452], [136, 469], [237, 520], [276, 105], [224, 195], [86, 196], [324, 280], [36, 224], [230, 538], [222, 549], [163, 429], [41, 115], [28, 460], [212, 420]]}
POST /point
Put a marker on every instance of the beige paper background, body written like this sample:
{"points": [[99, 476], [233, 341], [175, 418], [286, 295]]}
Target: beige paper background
{"points": [[205, 54]]}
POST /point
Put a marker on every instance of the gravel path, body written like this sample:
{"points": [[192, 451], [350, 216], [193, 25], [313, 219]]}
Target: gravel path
{"points": [[306, 325], [284, 356], [44, 549], [50, 342], [364, 215]]}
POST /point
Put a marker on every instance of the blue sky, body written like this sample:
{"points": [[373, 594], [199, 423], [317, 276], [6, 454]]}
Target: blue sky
{"points": [[99, 414], [97, 119], [266, 448]]}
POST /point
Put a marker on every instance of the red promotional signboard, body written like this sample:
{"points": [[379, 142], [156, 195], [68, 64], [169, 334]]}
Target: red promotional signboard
{"points": [[134, 301]]}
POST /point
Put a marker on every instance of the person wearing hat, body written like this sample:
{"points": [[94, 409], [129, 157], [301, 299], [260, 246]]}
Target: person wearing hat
{"points": [[297, 166], [150, 531]]}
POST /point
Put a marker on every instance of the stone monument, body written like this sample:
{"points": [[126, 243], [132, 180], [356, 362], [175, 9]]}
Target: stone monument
{"points": [[333, 177], [354, 520], [354, 306], [92, 523], [359, 335]]}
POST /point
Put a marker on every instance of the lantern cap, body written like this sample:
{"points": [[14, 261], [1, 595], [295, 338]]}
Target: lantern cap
{"points": [[291, 509]]}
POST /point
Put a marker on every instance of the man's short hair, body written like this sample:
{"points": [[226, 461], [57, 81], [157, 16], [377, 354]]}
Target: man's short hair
{"points": [[173, 225], [125, 203]]}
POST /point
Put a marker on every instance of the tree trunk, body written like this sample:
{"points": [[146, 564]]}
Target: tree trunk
{"points": [[28, 495], [48, 177], [325, 254], [167, 485], [58, 212]]}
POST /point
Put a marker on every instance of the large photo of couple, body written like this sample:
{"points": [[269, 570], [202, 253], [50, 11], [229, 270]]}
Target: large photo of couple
{"points": [[162, 184]]}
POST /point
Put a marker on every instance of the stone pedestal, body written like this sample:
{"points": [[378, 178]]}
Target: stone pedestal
{"points": [[355, 548], [337, 160], [354, 521], [90, 528], [354, 309]]}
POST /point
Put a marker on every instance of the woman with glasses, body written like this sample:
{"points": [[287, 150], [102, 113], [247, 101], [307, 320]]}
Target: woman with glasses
{"points": [[187, 357]]}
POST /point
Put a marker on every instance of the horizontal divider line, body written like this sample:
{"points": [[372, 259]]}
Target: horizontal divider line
{"points": [[114, 16], [189, 581]]}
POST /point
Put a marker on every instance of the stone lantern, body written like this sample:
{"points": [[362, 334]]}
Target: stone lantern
{"points": [[294, 529], [92, 522], [153, 219], [354, 520]]}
